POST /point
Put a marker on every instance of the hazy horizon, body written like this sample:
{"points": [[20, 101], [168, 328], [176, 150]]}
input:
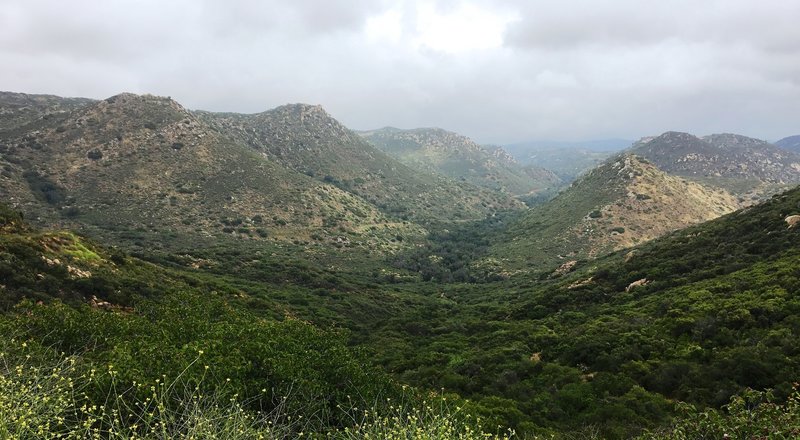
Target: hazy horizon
{"points": [[500, 72]]}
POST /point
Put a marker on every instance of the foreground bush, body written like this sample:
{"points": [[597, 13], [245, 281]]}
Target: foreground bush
{"points": [[752, 415], [38, 401]]}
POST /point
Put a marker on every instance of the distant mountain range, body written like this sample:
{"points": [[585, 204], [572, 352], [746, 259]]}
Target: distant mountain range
{"points": [[597, 145], [439, 151], [743, 165], [144, 170], [566, 159], [791, 143]]}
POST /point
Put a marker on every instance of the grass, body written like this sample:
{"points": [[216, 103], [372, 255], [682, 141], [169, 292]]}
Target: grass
{"points": [[79, 251]]}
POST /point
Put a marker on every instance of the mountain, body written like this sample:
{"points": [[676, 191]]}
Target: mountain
{"points": [[740, 164], [145, 170], [624, 202], [791, 143], [456, 156], [308, 140]]}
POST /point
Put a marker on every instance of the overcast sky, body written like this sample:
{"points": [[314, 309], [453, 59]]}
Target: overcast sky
{"points": [[498, 71]]}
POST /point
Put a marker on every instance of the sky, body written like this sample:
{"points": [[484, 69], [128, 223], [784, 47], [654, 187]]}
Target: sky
{"points": [[497, 71]]}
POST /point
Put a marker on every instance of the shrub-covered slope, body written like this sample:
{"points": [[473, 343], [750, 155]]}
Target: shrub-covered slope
{"points": [[96, 343], [308, 140], [21, 111], [696, 316], [622, 203], [142, 169]]}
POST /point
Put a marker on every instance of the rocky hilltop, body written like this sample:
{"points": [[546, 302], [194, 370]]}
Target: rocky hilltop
{"points": [[456, 156], [146, 169], [738, 163]]}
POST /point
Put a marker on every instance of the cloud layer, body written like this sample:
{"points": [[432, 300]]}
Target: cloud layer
{"points": [[499, 71]]}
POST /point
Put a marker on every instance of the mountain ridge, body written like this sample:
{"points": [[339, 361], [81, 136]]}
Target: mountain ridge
{"points": [[746, 166], [441, 151], [324, 149], [139, 162], [791, 143]]}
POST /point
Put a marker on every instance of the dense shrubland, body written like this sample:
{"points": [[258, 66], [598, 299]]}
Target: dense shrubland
{"points": [[551, 354]]}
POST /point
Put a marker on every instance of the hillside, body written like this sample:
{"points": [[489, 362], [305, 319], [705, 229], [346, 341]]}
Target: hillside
{"points": [[18, 110], [308, 140], [145, 171], [710, 313], [791, 143], [624, 202], [456, 156], [99, 344], [612, 345], [745, 166]]}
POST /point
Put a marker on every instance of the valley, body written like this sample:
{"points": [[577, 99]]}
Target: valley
{"points": [[318, 274]]}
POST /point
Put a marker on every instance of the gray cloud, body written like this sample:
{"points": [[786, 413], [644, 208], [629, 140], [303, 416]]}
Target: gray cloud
{"points": [[561, 70]]}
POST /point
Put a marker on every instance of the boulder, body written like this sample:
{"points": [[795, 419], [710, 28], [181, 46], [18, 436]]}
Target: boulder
{"points": [[637, 283]]}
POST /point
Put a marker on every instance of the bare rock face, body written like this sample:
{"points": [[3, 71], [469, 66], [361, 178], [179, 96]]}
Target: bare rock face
{"points": [[793, 221], [581, 283], [565, 268]]}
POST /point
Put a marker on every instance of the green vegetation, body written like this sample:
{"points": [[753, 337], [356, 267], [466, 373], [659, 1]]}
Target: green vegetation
{"points": [[751, 415], [321, 304], [575, 353], [47, 395], [159, 354], [622, 203], [450, 251]]}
